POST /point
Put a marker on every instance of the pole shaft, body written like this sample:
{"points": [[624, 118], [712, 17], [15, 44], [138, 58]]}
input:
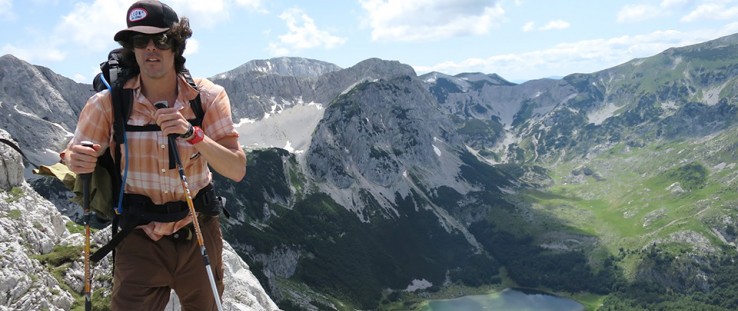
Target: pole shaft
{"points": [[86, 184], [195, 222]]}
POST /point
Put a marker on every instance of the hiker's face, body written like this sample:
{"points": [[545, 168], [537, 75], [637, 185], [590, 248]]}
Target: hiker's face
{"points": [[153, 61]]}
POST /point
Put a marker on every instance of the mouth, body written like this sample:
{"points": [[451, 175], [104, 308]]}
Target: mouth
{"points": [[152, 59]]}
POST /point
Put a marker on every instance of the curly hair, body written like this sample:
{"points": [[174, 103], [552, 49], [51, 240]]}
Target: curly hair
{"points": [[178, 34]]}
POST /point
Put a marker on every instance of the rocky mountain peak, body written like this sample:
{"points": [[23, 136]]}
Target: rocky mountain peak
{"points": [[283, 66], [38, 107], [379, 134], [9, 59], [384, 68]]}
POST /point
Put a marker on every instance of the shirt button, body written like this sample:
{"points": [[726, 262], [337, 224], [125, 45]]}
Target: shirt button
{"points": [[163, 146]]}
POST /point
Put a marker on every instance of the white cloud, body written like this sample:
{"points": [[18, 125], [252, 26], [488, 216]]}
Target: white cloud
{"points": [[193, 46], [673, 3], [577, 57], [205, 10], [278, 50], [6, 10], [92, 25], [87, 29], [255, 5], [210, 13], [21, 53], [689, 9], [424, 20], [529, 26], [715, 10], [44, 2], [33, 54], [556, 25], [302, 34], [637, 12], [552, 25]]}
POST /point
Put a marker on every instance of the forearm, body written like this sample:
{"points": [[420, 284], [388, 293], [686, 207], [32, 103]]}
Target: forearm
{"points": [[225, 156]]}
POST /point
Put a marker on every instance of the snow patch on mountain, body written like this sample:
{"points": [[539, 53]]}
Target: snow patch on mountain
{"points": [[289, 128], [596, 117], [711, 96]]}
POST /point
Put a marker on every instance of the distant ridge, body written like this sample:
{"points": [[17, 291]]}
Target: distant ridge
{"points": [[284, 66]]}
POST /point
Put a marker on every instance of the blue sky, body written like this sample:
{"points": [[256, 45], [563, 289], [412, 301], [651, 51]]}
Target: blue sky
{"points": [[517, 39]]}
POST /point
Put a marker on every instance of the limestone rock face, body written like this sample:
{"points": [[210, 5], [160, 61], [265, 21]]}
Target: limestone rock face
{"points": [[39, 108], [11, 165], [30, 227]]}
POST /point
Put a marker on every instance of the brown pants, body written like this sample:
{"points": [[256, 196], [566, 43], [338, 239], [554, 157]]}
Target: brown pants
{"points": [[146, 271]]}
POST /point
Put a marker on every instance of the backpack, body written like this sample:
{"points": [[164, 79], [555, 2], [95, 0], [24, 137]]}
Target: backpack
{"points": [[113, 74]]}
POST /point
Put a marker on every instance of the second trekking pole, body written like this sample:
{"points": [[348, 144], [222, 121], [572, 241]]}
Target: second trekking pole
{"points": [[86, 181], [193, 214]]}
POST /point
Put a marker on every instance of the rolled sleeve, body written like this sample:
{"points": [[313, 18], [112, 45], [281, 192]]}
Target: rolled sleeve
{"points": [[218, 122], [95, 121]]}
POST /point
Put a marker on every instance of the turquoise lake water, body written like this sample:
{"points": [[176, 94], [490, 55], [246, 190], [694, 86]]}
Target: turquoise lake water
{"points": [[506, 300]]}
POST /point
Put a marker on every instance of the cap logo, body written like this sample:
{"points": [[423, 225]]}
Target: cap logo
{"points": [[137, 14]]}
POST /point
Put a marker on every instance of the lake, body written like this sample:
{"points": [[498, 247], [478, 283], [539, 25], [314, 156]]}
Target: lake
{"points": [[506, 300]]}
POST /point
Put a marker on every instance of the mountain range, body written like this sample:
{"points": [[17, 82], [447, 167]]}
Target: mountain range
{"points": [[371, 187]]}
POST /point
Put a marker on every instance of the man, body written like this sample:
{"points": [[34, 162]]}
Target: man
{"points": [[154, 257]]}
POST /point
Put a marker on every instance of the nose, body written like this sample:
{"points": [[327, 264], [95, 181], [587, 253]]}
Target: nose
{"points": [[150, 44]]}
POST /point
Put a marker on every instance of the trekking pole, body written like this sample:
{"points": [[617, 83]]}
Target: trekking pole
{"points": [[195, 222], [86, 180]]}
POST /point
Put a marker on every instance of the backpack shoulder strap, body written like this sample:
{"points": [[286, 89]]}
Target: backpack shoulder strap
{"points": [[195, 104], [121, 99]]}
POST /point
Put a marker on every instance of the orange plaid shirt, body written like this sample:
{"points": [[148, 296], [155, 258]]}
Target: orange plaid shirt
{"points": [[148, 152]]}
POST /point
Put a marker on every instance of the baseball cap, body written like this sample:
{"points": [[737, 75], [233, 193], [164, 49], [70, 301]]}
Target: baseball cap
{"points": [[147, 17]]}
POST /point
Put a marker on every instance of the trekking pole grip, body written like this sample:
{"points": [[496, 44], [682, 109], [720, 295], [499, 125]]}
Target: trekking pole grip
{"points": [[86, 177]]}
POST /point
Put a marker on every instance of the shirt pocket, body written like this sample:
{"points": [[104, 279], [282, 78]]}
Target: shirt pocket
{"points": [[190, 157]]}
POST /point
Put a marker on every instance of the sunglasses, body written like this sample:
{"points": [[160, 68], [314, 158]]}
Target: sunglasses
{"points": [[161, 41]]}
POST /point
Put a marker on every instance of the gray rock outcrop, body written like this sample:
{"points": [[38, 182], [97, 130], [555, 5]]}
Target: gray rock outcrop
{"points": [[11, 164]]}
